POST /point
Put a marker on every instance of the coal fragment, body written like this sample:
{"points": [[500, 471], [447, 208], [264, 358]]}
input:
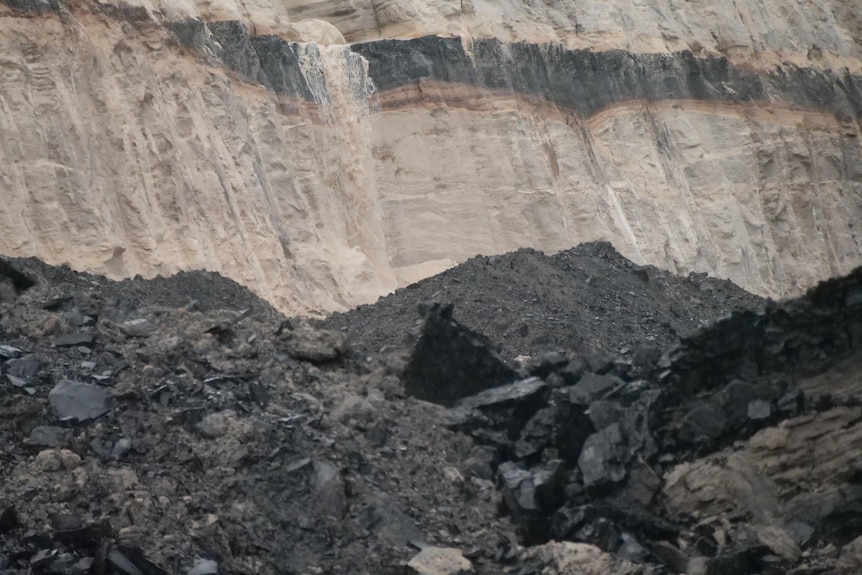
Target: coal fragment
{"points": [[703, 424], [132, 561], [42, 558], [20, 280], [734, 562], [8, 519], [513, 392], [791, 403], [8, 352], [537, 433], [604, 413], [603, 533], [122, 563], [74, 340], [450, 361], [670, 555], [545, 364], [68, 564], [63, 521], [801, 532], [23, 367], [504, 410], [16, 381], [604, 456], [531, 494], [759, 409], [258, 393], [55, 302], [75, 400], [592, 387], [83, 535]]}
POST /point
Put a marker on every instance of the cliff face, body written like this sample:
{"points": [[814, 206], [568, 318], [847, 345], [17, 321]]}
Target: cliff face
{"points": [[155, 137]]}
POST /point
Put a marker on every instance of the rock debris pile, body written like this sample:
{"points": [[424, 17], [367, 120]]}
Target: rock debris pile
{"points": [[589, 299], [519, 414]]}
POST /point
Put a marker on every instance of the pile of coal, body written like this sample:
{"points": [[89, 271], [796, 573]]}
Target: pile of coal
{"points": [[180, 425], [583, 451], [589, 299]]}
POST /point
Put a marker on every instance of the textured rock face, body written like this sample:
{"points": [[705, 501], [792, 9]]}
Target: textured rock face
{"points": [[164, 136]]}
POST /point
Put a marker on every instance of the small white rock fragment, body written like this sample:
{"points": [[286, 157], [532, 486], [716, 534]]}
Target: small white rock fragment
{"points": [[439, 561]]}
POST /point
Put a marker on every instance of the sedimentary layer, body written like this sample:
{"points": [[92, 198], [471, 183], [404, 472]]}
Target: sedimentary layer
{"points": [[153, 138]]}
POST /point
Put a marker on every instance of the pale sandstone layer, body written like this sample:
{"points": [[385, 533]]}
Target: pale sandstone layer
{"points": [[747, 194], [125, 153]]}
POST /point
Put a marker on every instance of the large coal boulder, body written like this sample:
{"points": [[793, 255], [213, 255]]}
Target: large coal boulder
{"points": [[450, 361]]}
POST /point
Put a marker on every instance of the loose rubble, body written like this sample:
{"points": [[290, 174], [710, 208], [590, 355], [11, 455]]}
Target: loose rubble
{"points": [[180, 425]]}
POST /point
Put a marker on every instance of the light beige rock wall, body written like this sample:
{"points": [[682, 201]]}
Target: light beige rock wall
{"points": [[123, 154], [768, 198]]}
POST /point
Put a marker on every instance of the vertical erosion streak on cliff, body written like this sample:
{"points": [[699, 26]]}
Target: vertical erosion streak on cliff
{"points": [[338, 82]]}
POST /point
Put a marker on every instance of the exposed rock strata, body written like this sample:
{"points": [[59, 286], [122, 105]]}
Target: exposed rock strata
{"points": [[325, 176]]}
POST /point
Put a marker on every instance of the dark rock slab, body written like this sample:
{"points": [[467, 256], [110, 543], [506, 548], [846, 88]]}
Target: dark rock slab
{"points": [[604, 457], [545, 364], [133, 561], [74, 340], [670, 555], [27, 366], [19, 280], [505, 409], [531, 494], [49, 436], [703, 424], [593, 387], [450, 362], [330, 499], [538, 433], [8, 519], [78, 401], [383, 517], [8, 352], [807, 333], [735, 561], [576, 523]]}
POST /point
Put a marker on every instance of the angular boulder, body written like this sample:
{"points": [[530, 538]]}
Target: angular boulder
{"points": [[439, 561], [78, 401], [450, 361]]}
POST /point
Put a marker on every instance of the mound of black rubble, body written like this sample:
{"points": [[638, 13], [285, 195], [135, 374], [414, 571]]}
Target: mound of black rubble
{"points": [[181, 425], [588, 299]]}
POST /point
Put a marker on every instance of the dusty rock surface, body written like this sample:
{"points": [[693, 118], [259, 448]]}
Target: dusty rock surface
{"points": [[151, 137], [223, 449]]}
